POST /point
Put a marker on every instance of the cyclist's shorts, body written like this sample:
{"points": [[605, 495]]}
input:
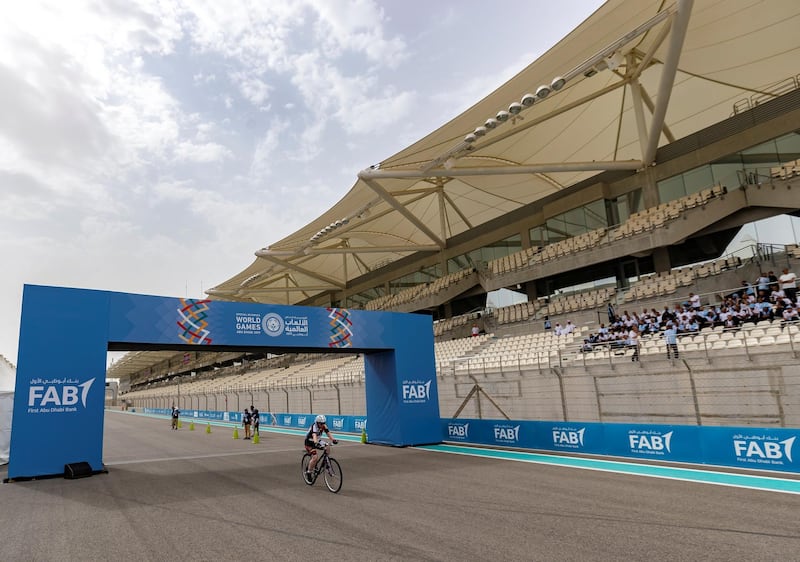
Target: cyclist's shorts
{"points": [[310, 449]]}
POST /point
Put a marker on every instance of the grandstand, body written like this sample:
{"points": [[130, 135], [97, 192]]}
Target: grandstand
{"points": [[610, 174]]}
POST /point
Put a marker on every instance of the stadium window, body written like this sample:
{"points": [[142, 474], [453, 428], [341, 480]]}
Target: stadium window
{"points": [[556, 229], [575, 222], [698, 179], [788, 147], [538, 236], [671, 189], [761, 155], [596, 215]]}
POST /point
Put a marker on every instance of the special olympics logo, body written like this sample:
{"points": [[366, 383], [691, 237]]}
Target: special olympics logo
{"points": [[193, 321], [272, 324], [340, 324]]}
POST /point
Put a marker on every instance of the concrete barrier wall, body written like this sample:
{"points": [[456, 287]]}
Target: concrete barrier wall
{"points": [[763, 391]]}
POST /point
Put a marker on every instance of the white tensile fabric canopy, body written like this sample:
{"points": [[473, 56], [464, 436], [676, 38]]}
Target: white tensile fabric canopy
{"points": [[636, 75]]}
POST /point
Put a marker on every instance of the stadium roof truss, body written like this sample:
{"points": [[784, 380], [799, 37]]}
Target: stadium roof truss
{"points": [[632, 77]]}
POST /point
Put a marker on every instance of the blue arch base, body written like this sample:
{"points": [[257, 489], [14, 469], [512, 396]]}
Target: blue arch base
{"points": [[65, 334]]}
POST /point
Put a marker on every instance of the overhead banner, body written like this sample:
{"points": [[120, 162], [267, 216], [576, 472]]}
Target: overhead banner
{"points": [[65, 334]]}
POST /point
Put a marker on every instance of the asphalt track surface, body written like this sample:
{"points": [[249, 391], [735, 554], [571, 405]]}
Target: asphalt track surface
{"points": [[191, 495]]}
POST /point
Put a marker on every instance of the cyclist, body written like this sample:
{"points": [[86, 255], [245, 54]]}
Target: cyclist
{"points": [[312, 441]]}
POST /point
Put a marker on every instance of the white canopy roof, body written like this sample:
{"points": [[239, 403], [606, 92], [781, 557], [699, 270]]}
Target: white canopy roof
{"points": [[637, 75], [8, 375]]}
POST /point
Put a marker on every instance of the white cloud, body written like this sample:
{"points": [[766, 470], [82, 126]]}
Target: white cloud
{"points": [[359, 27], [254, 90], [187, 151], [265, 150], [152, 145]]}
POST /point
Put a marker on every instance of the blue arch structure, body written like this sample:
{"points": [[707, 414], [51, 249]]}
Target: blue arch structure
{"points": [[65, 334]]}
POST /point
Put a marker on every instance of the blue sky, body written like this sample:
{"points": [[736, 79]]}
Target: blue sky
{"points": [[153, 146]]}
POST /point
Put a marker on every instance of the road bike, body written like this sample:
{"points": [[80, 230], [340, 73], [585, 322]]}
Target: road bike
{"points": [[327, 465]]}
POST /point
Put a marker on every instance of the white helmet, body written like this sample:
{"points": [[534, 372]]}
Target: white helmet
{"points": [[321, 419]]}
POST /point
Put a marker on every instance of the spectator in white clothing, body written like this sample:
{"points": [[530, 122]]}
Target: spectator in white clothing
{"points": [[788, 284]]}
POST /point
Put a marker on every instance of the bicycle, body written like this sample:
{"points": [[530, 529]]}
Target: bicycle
{"points": [[327, 465]]}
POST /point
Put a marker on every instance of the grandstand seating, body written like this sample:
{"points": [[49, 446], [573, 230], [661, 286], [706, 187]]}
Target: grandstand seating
{"points": [[637, 223], [786, 171], [417, 291], [488, 353]]}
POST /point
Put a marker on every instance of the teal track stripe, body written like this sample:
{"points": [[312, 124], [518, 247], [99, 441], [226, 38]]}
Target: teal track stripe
{"points": [[766, 483]]}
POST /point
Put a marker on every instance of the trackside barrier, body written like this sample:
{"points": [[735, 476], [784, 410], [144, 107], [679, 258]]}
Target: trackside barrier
{"points": [[739, 447], [345, 424]]}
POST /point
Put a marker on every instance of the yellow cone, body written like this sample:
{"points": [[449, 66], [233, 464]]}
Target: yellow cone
{"points": [[191, 426], [180, 424], [256, 439], [235, 433], [363, 434], [208, 428]]}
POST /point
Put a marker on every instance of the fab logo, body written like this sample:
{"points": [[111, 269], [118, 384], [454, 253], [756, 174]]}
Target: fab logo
{"points": [[57, 395], [650, 442], [506, 434], [416, 391], [763, 449], [459, 431], [568, 437]]}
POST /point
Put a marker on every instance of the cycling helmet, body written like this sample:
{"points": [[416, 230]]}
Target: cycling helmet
{"points": [[320, 419]]}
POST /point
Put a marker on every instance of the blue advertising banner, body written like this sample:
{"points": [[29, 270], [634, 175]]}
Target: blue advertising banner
{"points": [[750, 448]]}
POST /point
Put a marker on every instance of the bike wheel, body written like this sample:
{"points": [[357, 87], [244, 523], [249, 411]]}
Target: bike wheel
{"points": [[333, 475], [304, 467]]}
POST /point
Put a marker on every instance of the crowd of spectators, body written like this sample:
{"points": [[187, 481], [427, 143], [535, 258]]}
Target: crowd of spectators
{"points": [[767, 298]]}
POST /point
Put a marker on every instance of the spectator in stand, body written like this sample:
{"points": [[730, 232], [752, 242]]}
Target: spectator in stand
{"points": [[671, 338], [788, 284], [764, 309], [547, 324], [694, 301], [774, 284], [475, 331], [667, 316], [762, 283], [633, 342], [558, 330], [790, 315], [568, 328]]}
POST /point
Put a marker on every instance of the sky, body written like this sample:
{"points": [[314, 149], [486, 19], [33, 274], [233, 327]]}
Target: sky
{"points": [[153, 146]]}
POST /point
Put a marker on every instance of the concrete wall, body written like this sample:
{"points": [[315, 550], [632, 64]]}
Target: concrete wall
{"points": [[760, 388]]}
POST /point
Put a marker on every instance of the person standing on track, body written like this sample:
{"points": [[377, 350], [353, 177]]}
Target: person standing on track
{"points": [[246, 419], [256, 420], [175, 415]]}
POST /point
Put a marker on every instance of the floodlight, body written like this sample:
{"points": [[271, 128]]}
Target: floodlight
{"points": [[542, 92]]}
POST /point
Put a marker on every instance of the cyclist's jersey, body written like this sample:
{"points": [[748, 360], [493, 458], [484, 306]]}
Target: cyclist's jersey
{"points": [[316, 428], [175, 412]]}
